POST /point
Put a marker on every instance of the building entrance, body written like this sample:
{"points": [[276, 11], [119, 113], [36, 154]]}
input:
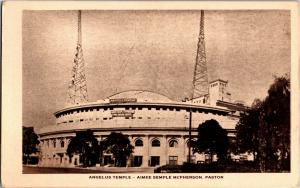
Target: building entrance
{"points": [[154, 161], [137, 161]]}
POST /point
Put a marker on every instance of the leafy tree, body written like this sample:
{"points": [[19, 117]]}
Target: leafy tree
{"points": [[275, 126], [30, 143], [86, 145], [265, 128], [247, 130], [212, 139], [119, 145]]}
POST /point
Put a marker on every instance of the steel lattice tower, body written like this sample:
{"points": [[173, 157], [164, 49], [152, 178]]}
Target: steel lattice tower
{"points": [[77, 89], [200, 79]]}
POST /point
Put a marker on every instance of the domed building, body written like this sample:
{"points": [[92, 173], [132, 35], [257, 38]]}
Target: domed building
{"points": [[157, 126]]}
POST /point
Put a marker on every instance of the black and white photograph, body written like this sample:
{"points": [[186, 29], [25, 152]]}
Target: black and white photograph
{"points": [[158, 93]]}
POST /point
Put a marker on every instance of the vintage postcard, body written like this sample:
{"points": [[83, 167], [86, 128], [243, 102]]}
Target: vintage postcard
{"points": [[150, 94]]}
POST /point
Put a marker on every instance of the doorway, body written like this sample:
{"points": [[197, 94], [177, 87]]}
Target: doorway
{"points": [[154, 160], [137, 161]]}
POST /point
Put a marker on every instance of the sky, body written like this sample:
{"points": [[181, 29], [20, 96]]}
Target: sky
{"points": [[149, 50]]}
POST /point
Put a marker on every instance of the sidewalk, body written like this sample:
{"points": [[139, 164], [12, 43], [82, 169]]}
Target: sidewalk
{"points": [[125, 169], [30, 169]]}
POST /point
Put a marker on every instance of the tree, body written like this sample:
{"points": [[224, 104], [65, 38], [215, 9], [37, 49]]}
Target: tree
{"points": [[265, 128], [247, 130], [275, 126], [119, 145], [86, 145], [212, 139], [30, 143]]}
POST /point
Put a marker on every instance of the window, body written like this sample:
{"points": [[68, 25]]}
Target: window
{"points": [[140, 117], [154, 160], [104, 118], [173, 144], [138, 143], [155, 143], [62, 144], [54, 143], [140, 108], [173, 160]]}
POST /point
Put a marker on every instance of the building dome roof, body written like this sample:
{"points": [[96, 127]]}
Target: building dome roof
{"points": [[141, 96]]}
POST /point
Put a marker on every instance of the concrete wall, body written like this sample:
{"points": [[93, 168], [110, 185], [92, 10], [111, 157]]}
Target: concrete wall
{"points": [[162, 123]]}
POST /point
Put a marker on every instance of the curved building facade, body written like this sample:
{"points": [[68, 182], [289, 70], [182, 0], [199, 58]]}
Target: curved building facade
{"points": [[157, 126]]}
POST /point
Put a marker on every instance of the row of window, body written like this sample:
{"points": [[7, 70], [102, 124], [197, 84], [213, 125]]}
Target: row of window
{"points": [[155, 160], [132, 108], [62, 143], [104, 118], [156, 143], [215, 84], [138, 143], [109, 118], [126, 108]]}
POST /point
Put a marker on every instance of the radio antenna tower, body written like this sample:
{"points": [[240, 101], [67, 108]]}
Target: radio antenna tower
{"points": [[200, 79], [77, 89]]}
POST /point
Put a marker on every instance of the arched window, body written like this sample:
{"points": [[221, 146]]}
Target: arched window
{"points": [[62, 143], [138, 142], [155, 143], [173, 144]]}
